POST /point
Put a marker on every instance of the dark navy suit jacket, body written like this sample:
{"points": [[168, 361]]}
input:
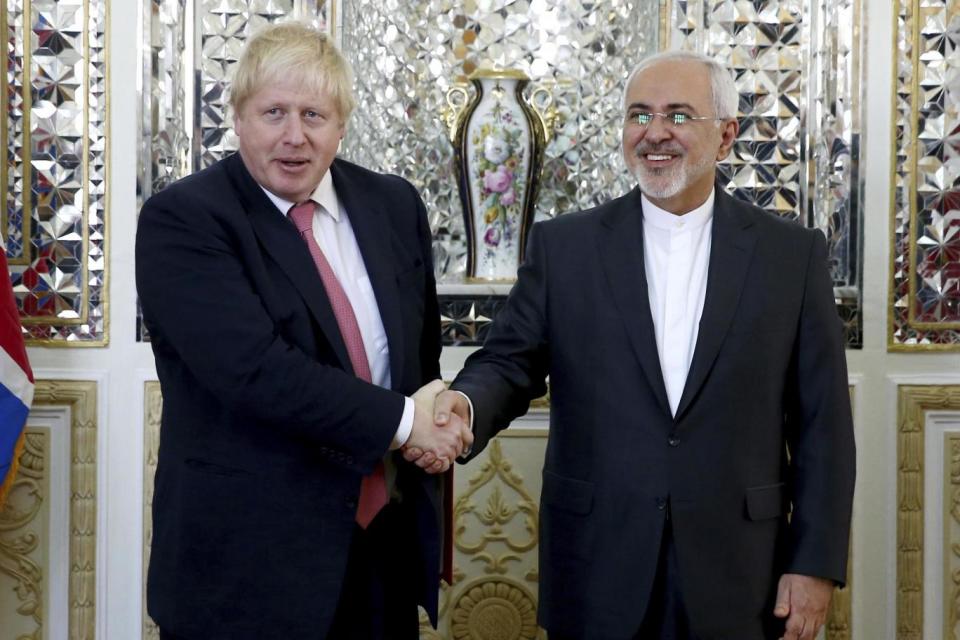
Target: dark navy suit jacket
{"points": [[266, 432], [763, 428]]}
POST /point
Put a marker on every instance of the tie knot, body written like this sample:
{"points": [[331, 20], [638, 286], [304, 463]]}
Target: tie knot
{"points": [[302, 215]]}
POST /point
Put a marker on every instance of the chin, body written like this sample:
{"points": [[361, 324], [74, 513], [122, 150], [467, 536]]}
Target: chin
{"points": [[659, 187]]}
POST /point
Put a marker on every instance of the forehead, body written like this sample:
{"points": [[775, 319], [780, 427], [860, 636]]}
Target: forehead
{"points": [[672, 82], [298, 91]]}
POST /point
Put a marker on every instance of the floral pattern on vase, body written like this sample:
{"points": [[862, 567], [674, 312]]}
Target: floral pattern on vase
{"points": [[499, 139]]}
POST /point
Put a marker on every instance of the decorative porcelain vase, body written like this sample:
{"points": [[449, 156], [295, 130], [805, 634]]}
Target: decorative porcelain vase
{"points": [[499, 140]]}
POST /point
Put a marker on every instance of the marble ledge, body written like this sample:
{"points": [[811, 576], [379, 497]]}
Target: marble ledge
{"points": [[474, 288]]}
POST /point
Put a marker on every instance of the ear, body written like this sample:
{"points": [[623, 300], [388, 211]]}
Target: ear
{"points": [[728, 136], [237, 122]]}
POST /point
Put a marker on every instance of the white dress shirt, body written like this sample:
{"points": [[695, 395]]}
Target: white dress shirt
{"points": [[676, 254], [334, 234]]}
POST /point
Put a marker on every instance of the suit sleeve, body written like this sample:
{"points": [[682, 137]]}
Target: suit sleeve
{"points": [[820, 432], [430, 337], [510, 369], [207, 320]]}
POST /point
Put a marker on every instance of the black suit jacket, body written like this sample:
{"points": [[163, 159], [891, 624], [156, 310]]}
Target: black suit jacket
{"points": [[266, 432], [763, 423]]}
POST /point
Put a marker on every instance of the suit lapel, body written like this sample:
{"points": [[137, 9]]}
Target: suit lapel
{"points": [[621, 254], [731, 248], [374, 234], [283, 244]]}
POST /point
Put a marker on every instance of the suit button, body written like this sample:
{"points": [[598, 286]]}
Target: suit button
{"points": [[661, 503], [673, 440], [351, 503]]}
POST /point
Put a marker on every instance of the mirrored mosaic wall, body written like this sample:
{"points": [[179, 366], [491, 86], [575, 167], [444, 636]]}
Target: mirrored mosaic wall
{"points": [[406, 55], [796, 62], [925, 288], [54, 167], [797, 69], [190, 49]]}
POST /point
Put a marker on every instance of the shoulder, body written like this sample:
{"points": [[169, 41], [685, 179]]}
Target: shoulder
{"points": [[211, 185], [352, 173], [588, 218], [577, 224], [768, 223]]}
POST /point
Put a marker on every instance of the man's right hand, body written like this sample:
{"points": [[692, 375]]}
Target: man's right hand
{"points": [[451, 412], [437, 446], [449, 406]]}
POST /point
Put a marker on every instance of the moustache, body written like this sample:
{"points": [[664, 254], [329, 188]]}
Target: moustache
{"points": [[644, 149]]}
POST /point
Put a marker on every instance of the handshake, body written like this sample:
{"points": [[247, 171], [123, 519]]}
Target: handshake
{"points": [[441, 428]]}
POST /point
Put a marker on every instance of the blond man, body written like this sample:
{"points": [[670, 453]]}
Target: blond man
{"points": [[291, 304]]}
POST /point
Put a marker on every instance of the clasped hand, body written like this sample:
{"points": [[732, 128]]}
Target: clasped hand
{"points": [[441, 428]]}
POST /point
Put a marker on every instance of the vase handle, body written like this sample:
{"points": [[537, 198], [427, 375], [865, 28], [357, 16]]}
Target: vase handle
{"points": [[541, 99], [452, 114]]}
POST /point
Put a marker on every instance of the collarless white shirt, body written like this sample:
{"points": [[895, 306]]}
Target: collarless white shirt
{"points": [[676, 256], [334, 234]]}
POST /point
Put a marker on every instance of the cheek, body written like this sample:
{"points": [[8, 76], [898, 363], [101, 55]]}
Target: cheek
{"points": [[259, 140], [330, 144], [707, 152]]}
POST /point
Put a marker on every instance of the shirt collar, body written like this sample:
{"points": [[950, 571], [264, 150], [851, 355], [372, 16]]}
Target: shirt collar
{"points": [[663, 219], [324, 195]]}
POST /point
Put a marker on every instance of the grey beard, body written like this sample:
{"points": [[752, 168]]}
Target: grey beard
{"points": [[660, 184], [654, 186]]}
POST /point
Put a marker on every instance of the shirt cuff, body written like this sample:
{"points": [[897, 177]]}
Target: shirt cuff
{"points": [[406, 425], [467, 451]]}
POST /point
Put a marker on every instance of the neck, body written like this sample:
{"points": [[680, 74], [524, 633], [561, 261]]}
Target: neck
{"points": [[685, 201]]}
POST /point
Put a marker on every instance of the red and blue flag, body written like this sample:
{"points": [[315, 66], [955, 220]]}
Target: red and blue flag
{"points": [[16, 382]]}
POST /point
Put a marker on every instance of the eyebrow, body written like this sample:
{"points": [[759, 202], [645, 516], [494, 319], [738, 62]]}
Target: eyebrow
{"points": [[671, 106]]}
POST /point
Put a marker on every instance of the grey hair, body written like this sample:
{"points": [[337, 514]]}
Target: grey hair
{"points": [[725, 95]]}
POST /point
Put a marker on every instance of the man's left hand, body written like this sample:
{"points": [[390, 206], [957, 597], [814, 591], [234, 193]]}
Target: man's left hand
{"points": [[803, 600]]}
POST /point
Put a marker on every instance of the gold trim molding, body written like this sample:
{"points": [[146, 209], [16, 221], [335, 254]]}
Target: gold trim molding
{"points": [[491, 608], [951, 524], [839, 622], [497, 512], [22, 523], [913, 401], [906, 181], [152, 410], [666, 10], [495, 524], [80, 397]]}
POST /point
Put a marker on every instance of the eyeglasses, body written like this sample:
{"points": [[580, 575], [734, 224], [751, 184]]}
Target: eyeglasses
{"points": [[674, 119]]}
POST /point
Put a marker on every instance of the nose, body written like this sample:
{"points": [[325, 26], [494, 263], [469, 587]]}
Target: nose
{"points": [[657, 129], [293, 132]]}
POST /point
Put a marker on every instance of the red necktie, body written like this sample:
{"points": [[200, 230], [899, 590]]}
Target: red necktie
{"points": [[373, 490]]}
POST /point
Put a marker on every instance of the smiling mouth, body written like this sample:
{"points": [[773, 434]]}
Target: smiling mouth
{"points": [[654, 154], [292, 163]]}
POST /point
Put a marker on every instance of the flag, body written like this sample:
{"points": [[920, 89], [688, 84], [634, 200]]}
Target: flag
{"points": [[16, 382]]}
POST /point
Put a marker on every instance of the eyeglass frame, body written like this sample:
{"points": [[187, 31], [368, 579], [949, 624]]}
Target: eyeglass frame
{"points": [[669, 119]]}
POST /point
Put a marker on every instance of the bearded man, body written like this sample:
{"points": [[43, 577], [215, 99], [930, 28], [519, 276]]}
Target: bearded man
{"points": [[698, 392]]}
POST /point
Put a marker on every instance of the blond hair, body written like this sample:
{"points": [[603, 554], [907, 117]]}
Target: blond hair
{"points": [[293, 51]]}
